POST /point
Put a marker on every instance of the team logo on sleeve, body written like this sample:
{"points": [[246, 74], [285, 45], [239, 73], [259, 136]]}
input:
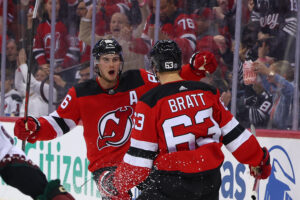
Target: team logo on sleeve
{"points": [[114, 127]]}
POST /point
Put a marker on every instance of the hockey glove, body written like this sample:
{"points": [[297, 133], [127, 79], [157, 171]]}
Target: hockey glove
{"points": [[263, 170], [55, 191], [26, 130], [203, 62], [105, 184]]}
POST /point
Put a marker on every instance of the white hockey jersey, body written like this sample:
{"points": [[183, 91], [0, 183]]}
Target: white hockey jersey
{"points": [[7, 144]]}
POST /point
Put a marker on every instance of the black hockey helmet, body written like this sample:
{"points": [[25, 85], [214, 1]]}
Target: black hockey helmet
{"points": [[107, 46], [166, 56]]}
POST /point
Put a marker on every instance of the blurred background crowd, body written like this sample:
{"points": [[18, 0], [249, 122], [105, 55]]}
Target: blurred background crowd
{"points": [[265, 51]]}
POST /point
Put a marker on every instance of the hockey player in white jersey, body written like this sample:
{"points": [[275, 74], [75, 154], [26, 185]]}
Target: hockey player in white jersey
{"points": [[18, 171]]}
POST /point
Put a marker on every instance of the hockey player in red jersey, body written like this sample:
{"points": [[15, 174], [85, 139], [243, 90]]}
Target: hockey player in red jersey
{"points": [[105, 106], [175, 25], [18, 171], [65, 52], [178, 132]]}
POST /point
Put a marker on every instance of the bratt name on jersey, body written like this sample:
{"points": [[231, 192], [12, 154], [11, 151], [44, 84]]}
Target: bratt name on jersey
{"points": [[186, 102]]}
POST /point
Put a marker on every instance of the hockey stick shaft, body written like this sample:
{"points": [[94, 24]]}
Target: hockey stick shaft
{"points": [[30, 59], [255, 189], [87, 63], [256, 181]]}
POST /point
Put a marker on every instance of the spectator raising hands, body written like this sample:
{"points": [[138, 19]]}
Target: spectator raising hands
{"points": [[37, 106]]}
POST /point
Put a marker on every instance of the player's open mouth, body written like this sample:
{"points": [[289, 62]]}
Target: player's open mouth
{"points": [[111, 72]]}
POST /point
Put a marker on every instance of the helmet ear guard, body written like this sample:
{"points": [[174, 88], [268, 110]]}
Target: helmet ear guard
{"points": [[166, 56]]}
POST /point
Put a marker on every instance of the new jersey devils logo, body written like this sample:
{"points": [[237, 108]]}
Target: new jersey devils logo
{"points": [[114, 127], [47, 41]]}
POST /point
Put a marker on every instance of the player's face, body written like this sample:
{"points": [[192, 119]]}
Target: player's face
{"points": [[48, 7], [11, 51], [117, 22], [40, 75], [167, 8], [81, 9], [109, 67], [84, 74]]}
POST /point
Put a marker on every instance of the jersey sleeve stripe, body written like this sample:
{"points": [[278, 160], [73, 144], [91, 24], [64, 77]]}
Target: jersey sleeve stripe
{"points": [[141, 153], [148, 146], [38, 49], [203, 141], [62, 124], [233, 134], [39, 55], [70, 55], [239, 141], [70, 123], [229, 126], [139, 162], [59, 60], [290, 29], [54, 124], [191, 38], [146, 38]]}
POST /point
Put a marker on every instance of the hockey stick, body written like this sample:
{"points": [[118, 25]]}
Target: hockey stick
{"points": [[256, 181], [30, 58], [87, 63]]}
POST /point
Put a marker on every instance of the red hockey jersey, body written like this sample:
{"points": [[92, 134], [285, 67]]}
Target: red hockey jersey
{"points": [[65, 53], [106, 115], [181, 126], [11, 11], [180, 28]]}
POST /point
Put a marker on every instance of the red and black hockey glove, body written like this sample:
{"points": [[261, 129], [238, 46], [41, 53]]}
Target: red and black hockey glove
{"points": [[203, 62], [26, 130], [105, 184], [263, 170]]}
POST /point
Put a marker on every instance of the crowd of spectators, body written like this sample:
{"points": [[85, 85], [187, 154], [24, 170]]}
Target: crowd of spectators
{"points": [[267, 43]]}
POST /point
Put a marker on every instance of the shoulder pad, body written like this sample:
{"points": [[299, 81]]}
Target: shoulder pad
{"points": [[129, 80], [88, 88], [161, 91]]}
